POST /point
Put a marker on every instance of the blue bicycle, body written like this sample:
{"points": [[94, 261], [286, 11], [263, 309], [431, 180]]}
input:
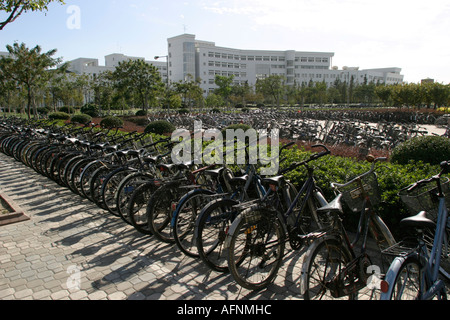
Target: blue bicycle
{"points": [[417, 273]]}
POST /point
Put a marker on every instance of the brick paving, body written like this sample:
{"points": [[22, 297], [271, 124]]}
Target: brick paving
{"points": [[71, 249]]}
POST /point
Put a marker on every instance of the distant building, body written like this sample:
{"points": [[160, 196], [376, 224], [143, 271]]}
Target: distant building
{"points": [[92, 68], [203, 60], [427, 80]]}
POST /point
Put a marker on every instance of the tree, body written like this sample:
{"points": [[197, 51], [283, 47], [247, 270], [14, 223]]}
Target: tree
{"points": [[225, 87], [189, 90], [14, 8], [272, 88], [139, 77], [30, 68]]}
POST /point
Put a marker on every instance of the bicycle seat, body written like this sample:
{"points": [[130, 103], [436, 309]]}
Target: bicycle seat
{"points": [[335, 205], [239, 180], [418, 221], [278, 181], [214, 173]]}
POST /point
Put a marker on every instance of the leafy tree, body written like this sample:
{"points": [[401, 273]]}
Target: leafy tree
{"points": [[189, 90], [139, 77], [272, 88], [14, 8], [30, 68], [225, 87]]}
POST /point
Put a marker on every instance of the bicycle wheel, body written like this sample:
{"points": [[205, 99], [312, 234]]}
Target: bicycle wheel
{"points": [[109, 189], [323, 264], [188, 209], [126, 189], [211, 230], [137, 208], [408, 280], [255, 247], [95, 185], [160, 209]]}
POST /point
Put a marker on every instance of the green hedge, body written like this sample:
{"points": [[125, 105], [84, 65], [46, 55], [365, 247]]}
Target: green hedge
{"points": [[81, 118], [59, 116], [429, 149]]}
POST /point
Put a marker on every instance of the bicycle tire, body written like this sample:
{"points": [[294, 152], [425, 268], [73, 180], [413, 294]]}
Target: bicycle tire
{"points": [[255, 248], [211, 230], [407, 277], [137, 208], [323, 262], [160, 209], [184, 218]]}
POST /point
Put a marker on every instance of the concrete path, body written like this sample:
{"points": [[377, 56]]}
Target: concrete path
{"points": [[71, 249]]}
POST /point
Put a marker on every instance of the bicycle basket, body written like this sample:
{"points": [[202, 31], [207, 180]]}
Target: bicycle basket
{"points": [[425, 198], [353, 195]]}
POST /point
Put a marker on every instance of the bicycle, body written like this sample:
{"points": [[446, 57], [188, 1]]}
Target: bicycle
{"points": [[255, 242], [332, 267], [414, 273]]}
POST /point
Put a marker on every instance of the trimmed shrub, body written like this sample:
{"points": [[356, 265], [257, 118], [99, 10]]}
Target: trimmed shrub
{"points": [[59, 116], [429, 149], [141, 113], [183, 111], [81, 118], [91, 109], [111, 122], [160, 127]]}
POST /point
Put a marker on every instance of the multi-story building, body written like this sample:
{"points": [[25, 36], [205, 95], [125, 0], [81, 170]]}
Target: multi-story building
{"points": [[91, 66], [203, 60]]}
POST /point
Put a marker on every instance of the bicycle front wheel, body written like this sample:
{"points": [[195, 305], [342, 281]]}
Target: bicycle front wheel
{"points": [[255, 246]]}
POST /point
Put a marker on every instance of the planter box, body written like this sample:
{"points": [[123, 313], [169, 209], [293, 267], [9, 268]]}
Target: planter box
{"points": [[15, 214]]}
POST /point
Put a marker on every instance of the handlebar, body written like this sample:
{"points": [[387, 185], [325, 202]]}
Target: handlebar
{"points": [[445, 168], [370, 159], [313, 157]]}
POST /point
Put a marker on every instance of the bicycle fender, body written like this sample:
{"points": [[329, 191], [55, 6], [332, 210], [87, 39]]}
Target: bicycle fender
{"points": [[186, 197], [234, 225], [390, 277]]}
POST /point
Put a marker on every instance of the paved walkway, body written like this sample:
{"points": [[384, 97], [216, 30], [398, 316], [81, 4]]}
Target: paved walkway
{"points": [[71, 249]]}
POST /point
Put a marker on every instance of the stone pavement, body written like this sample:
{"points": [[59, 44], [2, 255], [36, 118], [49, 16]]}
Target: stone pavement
{"points": [[71, 249]]}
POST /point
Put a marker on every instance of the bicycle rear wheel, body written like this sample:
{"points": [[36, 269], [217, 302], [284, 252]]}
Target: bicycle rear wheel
{"points": [[255, 247], [211, 230], [408, 280], [188, 209], [323, 264]]}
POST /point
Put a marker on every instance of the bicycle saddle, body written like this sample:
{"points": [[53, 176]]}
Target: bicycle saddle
{"points": [[418, 221], [278, 181], [335, 205], [239, 180]]}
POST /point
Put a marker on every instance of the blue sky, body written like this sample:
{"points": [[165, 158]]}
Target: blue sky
{"points": [[409, 34]]}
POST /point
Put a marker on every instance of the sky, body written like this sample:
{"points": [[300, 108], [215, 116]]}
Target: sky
{"points": [[409, 34]]}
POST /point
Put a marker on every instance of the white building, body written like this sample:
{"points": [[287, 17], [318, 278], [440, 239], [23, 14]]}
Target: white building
{"points": [[203, 60], [91, 66]]}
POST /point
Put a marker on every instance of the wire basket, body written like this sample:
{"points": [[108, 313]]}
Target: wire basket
{"points": [[425, 198], [353, 194]]}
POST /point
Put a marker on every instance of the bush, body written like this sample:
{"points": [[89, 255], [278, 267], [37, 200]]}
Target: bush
{"points": [[183, 111], [160, 127], [429, 149], [59, 116], [91, 109], [141, 113], [81, 118], [67, 109], [111, 122]]}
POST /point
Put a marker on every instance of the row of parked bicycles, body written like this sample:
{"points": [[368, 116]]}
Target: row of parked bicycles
{"points": [[334, 131], [234, 220]]}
